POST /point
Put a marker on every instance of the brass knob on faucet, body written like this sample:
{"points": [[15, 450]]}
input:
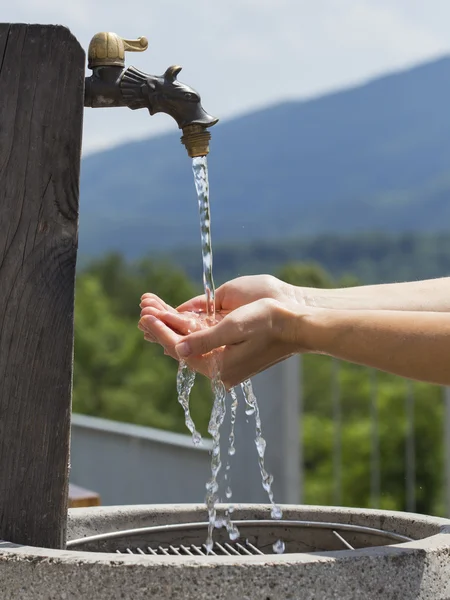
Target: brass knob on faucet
{"points": [[196, 138], [108, 49]]}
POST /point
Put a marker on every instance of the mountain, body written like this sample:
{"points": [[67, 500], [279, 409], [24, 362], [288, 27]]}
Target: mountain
{"points": [[375, 157], [370, 257]]}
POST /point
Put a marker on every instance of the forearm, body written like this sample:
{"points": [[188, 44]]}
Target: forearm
{"points": [[411, 344], [427, 295]]}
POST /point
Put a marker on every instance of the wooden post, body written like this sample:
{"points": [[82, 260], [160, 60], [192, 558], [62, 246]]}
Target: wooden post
{"points": [[41, 110]]}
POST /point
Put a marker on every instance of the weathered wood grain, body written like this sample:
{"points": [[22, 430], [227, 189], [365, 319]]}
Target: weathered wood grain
{"points": [[41, 109]]}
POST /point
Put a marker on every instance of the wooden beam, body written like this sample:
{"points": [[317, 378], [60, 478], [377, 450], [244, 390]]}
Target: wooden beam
{"points": [[41, 110]]}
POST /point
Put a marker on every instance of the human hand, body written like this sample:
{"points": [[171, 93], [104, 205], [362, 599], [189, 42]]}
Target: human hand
{"points": [[251, 339], [163, 324], [246, 341], [244, 290], [152, 301], [233, 294]]}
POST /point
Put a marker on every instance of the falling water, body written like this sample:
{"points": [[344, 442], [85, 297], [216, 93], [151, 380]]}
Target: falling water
{"points": [[186, 377], [212, 487], [234, 407], [200, 169], [260, 442], [185, 383], [233, 531]]}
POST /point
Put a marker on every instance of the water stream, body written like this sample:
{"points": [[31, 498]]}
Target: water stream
{"points": [[212, 487], [185, 383], [260, 442], [200, 169], [186, 378]]}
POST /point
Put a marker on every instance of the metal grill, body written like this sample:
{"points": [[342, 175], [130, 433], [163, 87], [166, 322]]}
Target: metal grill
{"points": [[256, 537], [225, 549]]}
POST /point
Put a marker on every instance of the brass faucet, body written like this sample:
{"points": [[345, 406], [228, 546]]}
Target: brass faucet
{"points": [[112, 84]]}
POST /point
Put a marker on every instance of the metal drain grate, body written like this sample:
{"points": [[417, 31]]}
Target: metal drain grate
{"points": [[225, 549], [256, 537]]}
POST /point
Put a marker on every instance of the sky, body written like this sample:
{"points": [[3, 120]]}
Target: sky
{"points": [[241, 55]]}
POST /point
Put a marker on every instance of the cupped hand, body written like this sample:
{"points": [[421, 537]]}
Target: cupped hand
{"points": [[161, 323], [260, 322], [244, 290], [152, 301], [246, 341]]}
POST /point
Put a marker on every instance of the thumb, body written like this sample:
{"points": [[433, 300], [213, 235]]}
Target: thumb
{"points": [[206, 340]]}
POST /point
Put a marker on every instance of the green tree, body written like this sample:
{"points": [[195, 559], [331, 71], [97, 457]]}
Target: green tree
{"points": [[120, 376], [305, 274], [124, 283], [117, 375], [311, 274]]}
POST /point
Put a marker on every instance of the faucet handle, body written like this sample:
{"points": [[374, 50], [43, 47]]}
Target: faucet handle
{"points": [[138, 45], [108, 49]]}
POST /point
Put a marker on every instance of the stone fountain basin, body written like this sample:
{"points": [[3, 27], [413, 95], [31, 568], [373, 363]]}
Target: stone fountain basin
{"points": [[419, 569]]}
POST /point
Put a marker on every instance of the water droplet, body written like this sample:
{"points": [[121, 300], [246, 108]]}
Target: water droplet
{"points": [[249, 412], [228, 492], [276, 512], [234, 534], [231, 450], [278, 547]]}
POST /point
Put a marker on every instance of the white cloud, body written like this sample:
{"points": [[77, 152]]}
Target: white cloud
{"points": [[242, 54], [373, 27]]}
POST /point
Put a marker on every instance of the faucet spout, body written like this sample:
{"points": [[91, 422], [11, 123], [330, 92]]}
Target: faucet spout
{"points": [[111, 85]]}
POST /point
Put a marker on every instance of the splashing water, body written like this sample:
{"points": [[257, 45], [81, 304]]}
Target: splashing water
{"points": [[267, 479], [279, 547], [185, 383], [186, 378]]}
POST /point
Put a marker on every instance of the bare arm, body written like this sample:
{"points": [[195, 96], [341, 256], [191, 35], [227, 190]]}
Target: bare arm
{"points": [[428, 295], [256, 333], [410, 344]]}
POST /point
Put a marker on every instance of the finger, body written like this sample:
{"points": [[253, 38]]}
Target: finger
{"points": [[147, 336], [153, 302], [163, 334], [197, 304], [181, 323], [152, 311], [225, 333], [184, 323], [150, 295], [156, 302]]}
